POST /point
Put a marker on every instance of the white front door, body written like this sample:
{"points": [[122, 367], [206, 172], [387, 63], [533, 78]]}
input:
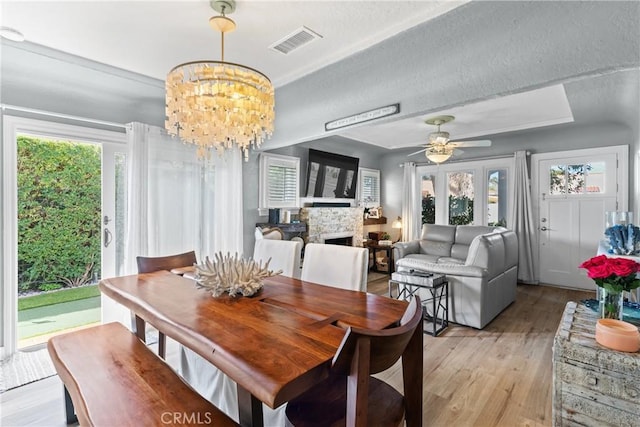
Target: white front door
{"points": [[573, 190]]}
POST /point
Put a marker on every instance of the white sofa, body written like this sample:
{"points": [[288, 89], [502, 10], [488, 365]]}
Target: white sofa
{"points": [[481, 264]]}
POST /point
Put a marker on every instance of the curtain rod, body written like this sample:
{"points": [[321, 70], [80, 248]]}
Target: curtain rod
{"points": [[62, 116], [506, 156]]}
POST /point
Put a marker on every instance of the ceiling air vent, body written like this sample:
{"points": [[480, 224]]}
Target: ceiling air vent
{"points": [[293, 41]]}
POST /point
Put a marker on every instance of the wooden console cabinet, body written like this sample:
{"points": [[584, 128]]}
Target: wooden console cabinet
{"points": [[592, 385]]}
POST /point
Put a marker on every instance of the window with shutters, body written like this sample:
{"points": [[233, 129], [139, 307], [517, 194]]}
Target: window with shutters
{"points": [[279, 181], [369, 187]]}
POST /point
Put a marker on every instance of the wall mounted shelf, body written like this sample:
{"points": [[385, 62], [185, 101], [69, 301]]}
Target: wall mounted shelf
{"points": [[375, 221]]}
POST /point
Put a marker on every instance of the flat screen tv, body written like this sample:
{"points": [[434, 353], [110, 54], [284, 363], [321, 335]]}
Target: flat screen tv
{"points": [[331, 175]]}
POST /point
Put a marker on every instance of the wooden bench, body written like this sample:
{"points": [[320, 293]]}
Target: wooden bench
{"points": [[112, 379]]}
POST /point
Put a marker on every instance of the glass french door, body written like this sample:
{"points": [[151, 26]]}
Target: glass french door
{"points": [[114, 200], [109, 146]]}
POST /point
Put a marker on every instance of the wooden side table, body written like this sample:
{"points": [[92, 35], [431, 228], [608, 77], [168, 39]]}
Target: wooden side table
{"points": [[592, 385], [388, 249]]}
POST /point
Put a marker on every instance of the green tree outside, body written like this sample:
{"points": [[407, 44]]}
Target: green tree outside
{"points": [[59, 208]]}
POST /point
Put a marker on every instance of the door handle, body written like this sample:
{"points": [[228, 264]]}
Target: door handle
{"points": [[543, 228], [108, 237]]}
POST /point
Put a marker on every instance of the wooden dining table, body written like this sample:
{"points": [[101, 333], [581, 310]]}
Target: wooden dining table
{"points": [[274, 345]]}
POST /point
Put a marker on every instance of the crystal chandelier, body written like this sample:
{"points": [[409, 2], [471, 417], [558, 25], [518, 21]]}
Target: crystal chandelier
{"points": [[215, 104]]}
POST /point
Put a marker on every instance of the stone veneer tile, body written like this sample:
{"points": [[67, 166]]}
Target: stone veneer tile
{"points": [[333, 221]]}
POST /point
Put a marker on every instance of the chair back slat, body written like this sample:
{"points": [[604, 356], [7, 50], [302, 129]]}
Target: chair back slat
{"points": [[151, 264], [386, 345]]}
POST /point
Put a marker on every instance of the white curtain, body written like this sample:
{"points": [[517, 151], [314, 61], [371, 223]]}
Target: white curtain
{"points": [[171, 201], [227, 227], [177, 202], [411, 203], [523, 222]]}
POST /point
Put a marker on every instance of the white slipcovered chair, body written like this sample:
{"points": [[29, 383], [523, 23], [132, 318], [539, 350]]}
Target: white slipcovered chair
{"points": [[284, 254], [335, 265]]}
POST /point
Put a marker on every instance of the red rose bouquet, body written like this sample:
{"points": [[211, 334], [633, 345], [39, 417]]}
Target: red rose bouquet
{"points": [[613, 274]]}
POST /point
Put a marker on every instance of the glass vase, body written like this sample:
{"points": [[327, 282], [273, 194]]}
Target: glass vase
{"points": [[618, 218], [610, 304]]}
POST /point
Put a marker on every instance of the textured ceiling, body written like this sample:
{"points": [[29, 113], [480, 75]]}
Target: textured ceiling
{"points": [[482, 62], [167, 33]]}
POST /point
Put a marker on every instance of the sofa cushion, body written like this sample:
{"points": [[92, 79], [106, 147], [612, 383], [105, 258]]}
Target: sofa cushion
{"points": [[449, 260], [423, 257], [439, 233], [435, 248], [437, 239], [464, 236]]}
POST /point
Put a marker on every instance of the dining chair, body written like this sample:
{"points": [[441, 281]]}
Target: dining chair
{"points": [[351, 396], [151, 264], [284, 255], [336, 265]]}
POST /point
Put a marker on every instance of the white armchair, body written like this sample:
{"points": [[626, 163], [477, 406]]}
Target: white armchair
{"points": [[338, 266]]}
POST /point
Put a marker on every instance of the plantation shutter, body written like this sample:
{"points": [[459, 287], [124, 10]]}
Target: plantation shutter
{"points": [[369, 187], [279, 181], [283, 185]]}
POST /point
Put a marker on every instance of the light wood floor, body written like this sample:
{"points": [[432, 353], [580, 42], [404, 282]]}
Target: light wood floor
{"points": [[499, 376]]}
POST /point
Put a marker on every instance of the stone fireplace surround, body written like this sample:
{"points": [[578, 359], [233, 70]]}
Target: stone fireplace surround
{"points": [[325, 223]]}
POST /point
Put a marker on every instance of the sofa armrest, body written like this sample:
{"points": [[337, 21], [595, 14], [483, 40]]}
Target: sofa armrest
{"points": [[402, 249], [447, 269]]}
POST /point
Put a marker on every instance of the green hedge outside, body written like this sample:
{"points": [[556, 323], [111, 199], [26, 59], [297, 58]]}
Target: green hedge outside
{"points": [[59, 211]]}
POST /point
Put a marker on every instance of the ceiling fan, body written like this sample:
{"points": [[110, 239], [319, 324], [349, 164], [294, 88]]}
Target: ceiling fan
{"points": [[439, 148]]}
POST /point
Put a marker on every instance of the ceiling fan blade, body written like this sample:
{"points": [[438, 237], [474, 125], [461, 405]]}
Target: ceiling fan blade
{"points": [[457, 152], [417, 152], [478, 143]]}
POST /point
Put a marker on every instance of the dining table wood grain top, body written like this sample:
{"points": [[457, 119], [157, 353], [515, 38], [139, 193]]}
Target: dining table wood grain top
{"points": [[275, 344]]}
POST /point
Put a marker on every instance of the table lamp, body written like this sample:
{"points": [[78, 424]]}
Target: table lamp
{"points": [[398, 224]]}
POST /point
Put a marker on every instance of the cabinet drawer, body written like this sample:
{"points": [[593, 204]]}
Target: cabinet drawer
{"points": [[585, 409], [612, 384]]}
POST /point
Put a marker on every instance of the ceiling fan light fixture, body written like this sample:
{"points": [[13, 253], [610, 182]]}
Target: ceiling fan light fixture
{"points": [[218, 104], [439, 155], [439, 137], [222, 24]]}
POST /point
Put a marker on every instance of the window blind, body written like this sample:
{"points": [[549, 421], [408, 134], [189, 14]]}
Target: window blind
{"points": [[370, 189], [282, 184]]}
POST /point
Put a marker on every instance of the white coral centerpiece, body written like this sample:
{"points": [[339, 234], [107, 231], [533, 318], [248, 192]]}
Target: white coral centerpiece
{"points": [[234, 275]]}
